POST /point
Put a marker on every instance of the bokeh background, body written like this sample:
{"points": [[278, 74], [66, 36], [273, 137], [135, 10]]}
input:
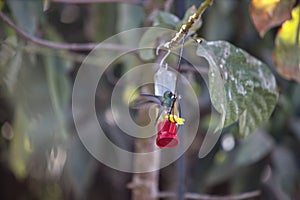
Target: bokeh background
{"points": [[41, 156]]}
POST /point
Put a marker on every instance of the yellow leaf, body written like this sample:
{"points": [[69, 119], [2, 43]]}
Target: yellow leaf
{"points": [[267, 5], [287, 49], [288, 31]]}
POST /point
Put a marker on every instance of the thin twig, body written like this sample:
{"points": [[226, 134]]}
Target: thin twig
{"points": [[197, 196], [57, 45], [135, 2], [71, 56]]}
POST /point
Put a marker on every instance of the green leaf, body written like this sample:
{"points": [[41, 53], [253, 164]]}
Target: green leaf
{"points": [[80, 166], [101, 23], [1, 4], [20, 148], [253, 148], [285, 168], [26, 13], [241, 87], [129, 17], [165, 19], [148, 42], [59, 89], [41, 98], [249, 151], [10, 61]]}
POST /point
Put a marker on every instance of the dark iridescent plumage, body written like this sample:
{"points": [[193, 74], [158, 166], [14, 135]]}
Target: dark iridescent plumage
{"points": [[165, 102]]}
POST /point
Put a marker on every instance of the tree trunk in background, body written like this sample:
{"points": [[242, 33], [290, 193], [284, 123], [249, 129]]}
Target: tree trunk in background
{"points": [[145, 185]]}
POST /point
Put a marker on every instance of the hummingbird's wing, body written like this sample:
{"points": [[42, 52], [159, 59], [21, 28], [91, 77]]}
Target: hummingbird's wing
{"points": [[151, 96], [146, 101]]}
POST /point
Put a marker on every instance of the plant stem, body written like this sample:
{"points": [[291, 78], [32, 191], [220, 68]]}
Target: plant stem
{"points": [[135, 2], [197, 196], [186, 27], [57, 45]]}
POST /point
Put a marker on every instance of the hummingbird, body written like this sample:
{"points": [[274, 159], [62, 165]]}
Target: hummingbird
{"points": [[167, 102]]}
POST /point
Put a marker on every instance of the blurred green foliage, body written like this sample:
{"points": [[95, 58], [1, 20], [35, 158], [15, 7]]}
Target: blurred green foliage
{"points": [[41, 154]]}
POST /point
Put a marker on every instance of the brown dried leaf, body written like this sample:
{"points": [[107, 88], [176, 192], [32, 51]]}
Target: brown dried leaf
{"points": [[287, 48], [266, 14]]}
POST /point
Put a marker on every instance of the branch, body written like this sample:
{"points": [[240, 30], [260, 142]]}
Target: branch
{"points": [[184, 29], [135, 2], [57, 45], [196, 196]]}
